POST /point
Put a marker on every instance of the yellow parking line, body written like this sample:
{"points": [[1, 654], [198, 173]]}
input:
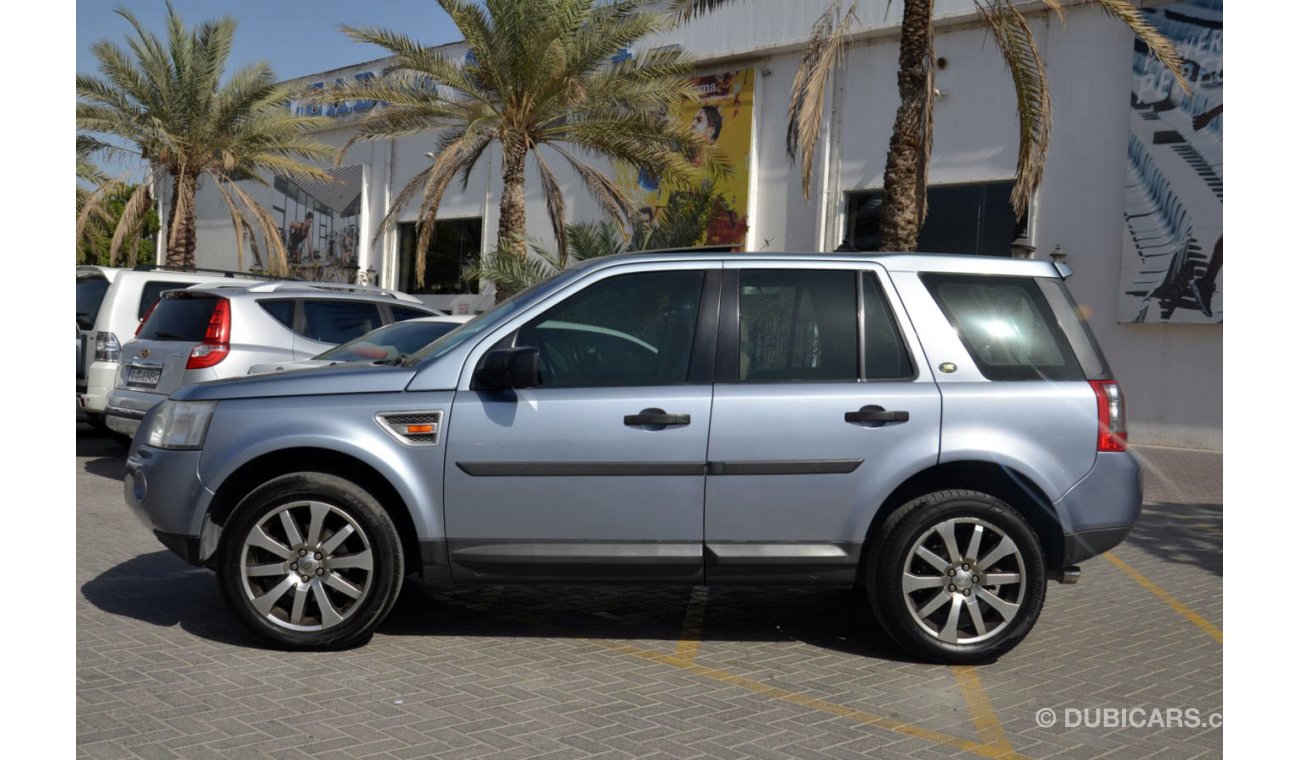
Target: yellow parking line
{"points": [[987, 726], [983, 749], [688, 642], [1167, 598]]}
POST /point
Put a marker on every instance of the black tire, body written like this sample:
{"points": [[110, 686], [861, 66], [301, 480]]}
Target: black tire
{"points": [[334, 562], [920, 525]]}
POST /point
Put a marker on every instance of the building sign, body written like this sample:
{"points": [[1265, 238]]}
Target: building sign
{"points": [[339, 108], [1173, 206], [717, 207]]}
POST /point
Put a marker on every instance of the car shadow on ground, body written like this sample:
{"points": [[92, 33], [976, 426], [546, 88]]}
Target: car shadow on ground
{"points": [[835, 619], [106, 456], [161, 589], [1186, 534]]}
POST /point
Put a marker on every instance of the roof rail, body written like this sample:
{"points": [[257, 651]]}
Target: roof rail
{"points": [[202, 270], [275, 287]]}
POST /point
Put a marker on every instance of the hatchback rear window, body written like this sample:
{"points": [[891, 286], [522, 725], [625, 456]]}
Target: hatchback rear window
{"points": [[1007, 325], [179, 317]]}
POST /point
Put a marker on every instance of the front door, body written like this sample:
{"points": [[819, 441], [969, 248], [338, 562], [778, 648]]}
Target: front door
{"points": [[820, 407], [598, 474]]}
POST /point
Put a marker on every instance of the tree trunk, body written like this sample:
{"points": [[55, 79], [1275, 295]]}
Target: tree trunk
{"points": [[181, 221], [511, 233], [909, 149]]}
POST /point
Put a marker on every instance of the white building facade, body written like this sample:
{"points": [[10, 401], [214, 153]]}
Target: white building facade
{"points": [[1128, 195]]}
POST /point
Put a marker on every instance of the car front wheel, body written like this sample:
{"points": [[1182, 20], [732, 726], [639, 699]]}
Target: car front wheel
{"points": [[310, 561], [960, 577]]}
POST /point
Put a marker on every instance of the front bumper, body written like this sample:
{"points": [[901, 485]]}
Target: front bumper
{"points": [[1100, 510], [162, 488]]}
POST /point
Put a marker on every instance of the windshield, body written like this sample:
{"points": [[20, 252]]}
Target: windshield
{"points": [[493, 317], [388, 342]]}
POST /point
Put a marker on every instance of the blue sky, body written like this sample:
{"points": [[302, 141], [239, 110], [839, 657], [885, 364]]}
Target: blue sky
{"points": [[297, 37]]}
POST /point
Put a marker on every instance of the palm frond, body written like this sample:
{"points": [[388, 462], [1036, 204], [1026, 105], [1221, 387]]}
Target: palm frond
{"points": [[1157, 43], [1015, 41], [554, 201], [611, 198], [685, 10], [808, 94], [132, 216]]}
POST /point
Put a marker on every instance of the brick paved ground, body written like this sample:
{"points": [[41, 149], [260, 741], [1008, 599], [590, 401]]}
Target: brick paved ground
{"points": [[164, 671]]}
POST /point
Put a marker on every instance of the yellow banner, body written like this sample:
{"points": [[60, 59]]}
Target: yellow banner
{"points": [[672, 213]]}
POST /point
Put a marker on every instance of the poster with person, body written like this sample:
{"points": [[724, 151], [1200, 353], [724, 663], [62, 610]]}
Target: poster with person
{"points": [[1172, 257], [708, 210]]}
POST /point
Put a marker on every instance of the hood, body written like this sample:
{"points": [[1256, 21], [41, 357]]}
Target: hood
{"points": [[325, 381]]}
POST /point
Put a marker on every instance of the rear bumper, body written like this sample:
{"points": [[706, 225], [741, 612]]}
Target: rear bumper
{"points": [[1100, 510], [93, 389], [126, 408]]}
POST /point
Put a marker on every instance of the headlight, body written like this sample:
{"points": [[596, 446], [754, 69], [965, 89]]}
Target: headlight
{"points": [[180, 424]]}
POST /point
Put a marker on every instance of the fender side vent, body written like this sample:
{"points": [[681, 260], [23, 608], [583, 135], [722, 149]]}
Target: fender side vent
{"points": [[412, 428]]}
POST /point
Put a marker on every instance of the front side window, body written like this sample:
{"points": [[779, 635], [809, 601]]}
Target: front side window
{"points": [[798, 325], [628, 330]]}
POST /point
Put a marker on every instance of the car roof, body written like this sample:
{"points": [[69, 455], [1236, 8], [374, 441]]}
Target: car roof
{"points": [[956, 263], [322, 290]]}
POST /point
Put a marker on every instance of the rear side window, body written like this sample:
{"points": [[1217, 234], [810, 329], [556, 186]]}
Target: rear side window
{"points": [[335, 321], [1007, 325], [281, 310], [182, 317], [152, 291], [798, 325], [90, 295], [402, 313]]}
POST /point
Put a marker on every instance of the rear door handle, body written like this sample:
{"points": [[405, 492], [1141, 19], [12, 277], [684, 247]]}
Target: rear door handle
{"points": [[656, 417], [875, 413]]}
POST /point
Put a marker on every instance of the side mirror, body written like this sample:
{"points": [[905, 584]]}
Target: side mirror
{"points": [[505, 368]]}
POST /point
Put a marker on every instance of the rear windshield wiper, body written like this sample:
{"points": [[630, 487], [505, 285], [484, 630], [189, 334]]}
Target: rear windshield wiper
{"points": [[169, 336]]}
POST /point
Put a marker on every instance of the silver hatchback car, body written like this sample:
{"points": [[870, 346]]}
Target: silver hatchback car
{"points": [[216, 331], [941, 430]]}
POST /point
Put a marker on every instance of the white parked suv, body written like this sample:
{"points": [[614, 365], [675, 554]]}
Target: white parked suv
{"points": [[111, 302], [215, 331]]}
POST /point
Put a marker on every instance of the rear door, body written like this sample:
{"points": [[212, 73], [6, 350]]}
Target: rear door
{"points": [[327, 322], [820, 408], [91, 287]]}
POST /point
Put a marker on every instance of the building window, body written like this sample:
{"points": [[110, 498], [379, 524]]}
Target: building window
{"points": [[454, 248], [975, 218]]}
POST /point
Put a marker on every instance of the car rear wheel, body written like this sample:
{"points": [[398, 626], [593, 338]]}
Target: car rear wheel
{"points": [[960, 577], [310, 561]]}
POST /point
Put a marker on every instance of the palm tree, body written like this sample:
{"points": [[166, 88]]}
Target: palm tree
{"points": [[538, 74], [907, 164], [166, 102]]}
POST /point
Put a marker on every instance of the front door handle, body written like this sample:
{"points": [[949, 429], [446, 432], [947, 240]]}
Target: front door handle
{"points": [[657, 418], [876, 414]]}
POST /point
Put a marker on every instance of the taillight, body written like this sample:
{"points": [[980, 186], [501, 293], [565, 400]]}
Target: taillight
{"points": [[216, 340], [1112, 424], [145, 318], [107, 347]]}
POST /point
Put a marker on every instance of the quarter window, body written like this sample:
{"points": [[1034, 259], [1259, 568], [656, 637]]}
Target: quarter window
{"points": [[1007, 326], [628, 330]]}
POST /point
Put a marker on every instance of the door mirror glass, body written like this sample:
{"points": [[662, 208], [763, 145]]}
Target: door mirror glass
{"points": [[505, 368]]}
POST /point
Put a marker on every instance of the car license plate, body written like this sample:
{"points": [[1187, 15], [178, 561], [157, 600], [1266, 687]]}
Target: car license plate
{"points": [[143, 377]]}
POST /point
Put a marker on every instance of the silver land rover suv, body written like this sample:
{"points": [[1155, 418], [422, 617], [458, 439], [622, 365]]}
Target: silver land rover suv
{"points": [[941, 430]]}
